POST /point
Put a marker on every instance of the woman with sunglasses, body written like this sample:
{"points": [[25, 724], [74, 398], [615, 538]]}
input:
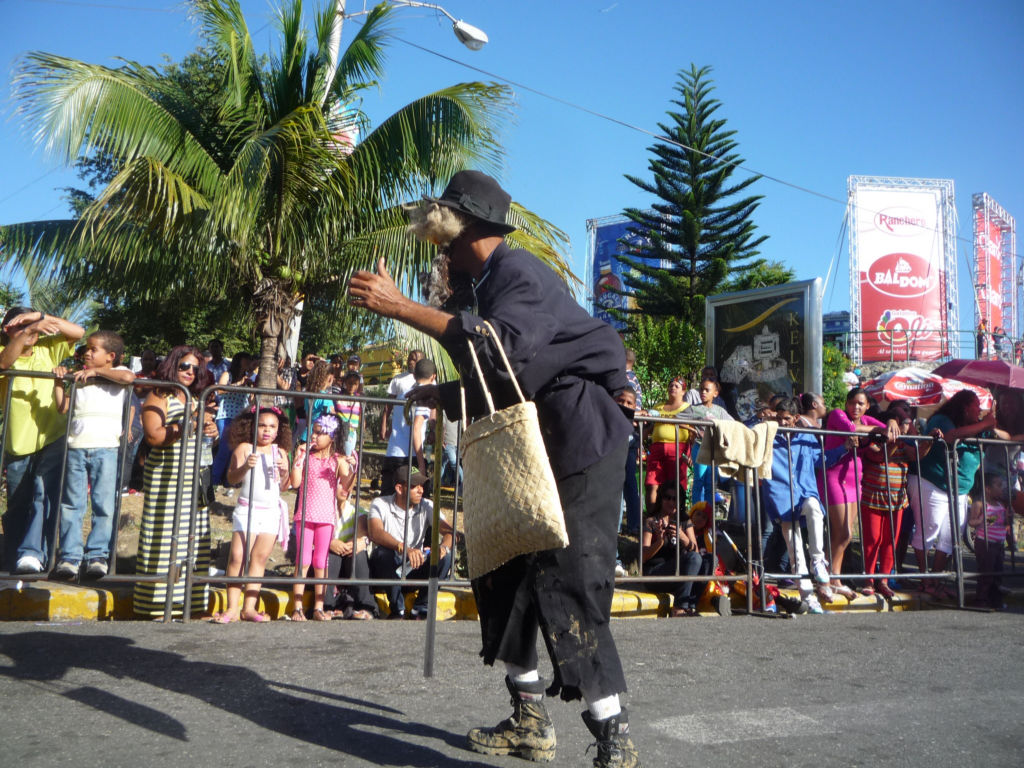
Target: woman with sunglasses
{"points": [[163, 425]]}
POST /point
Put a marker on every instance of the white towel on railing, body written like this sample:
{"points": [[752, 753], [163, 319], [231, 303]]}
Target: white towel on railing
{"points": [[736, 449]]}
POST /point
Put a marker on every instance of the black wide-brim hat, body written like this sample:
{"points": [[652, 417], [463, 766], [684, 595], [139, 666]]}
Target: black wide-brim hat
{"points": [[478, 195]]}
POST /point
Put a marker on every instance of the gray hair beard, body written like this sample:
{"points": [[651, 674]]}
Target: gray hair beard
{"points": [[440, 225]]}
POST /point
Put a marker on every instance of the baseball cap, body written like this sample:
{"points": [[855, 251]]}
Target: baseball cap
{"points": [[409, 481]]}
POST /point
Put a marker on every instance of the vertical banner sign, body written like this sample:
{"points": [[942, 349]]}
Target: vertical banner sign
{"points": [[988, 251], [766, 341], [900, 264], [608, 273]]}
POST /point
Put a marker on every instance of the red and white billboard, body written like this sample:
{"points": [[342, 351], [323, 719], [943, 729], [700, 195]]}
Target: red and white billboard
{"points": [[997, 313], [988, 250], [899, 262]]}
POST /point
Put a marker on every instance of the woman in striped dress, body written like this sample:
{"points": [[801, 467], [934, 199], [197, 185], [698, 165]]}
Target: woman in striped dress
{"points": [[163, 415]]}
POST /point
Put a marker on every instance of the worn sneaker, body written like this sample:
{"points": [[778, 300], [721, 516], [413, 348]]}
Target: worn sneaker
{"points": [[96, 569], [813, 606], [620, 572], [65, 570], [820, 570], [28, 564]]}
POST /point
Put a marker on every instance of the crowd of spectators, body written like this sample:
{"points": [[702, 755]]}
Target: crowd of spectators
{"points": [[124, 431], [868, 471], [887, 475]]}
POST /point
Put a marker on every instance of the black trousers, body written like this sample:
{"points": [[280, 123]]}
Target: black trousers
{"points": [[355, 597], [564, 593]]}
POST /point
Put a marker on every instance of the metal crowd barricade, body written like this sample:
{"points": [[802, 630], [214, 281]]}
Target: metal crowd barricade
{"points": [[51, 526], [431, 583], [752, 514], [708, 426]]}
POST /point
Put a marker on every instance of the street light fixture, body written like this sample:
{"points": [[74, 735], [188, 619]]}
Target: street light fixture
{"points": [[472, 37]]}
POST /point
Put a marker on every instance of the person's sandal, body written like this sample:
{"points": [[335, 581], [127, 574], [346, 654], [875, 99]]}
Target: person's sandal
{"points": [[844, 591], [319, 615], [298, 615], [361, 615]]}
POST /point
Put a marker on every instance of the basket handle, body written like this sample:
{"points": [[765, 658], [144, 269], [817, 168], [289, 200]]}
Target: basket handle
{"points": [[493, 335], [483, 382], [488, 332]]}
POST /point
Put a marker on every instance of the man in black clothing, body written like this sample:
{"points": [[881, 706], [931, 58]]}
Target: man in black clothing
{"points": [[571, 366]]}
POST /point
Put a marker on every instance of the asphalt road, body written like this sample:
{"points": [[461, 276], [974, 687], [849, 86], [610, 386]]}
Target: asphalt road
{"points": [[930, 689]]}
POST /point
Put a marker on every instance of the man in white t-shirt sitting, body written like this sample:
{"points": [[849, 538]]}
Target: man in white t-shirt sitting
{"points": [[405, 434], [93, 440], [399, 527]]}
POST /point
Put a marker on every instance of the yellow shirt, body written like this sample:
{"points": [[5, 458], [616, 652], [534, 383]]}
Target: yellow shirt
{"points": [[666, 433], [34, 422]]}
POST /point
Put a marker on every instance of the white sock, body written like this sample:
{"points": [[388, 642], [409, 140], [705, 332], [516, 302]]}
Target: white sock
{"points": [[520, 675], [604, 708]]}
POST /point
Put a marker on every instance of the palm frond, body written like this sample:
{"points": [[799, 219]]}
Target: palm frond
{"points": [[76, 108], [421, 145], [226, 30]]}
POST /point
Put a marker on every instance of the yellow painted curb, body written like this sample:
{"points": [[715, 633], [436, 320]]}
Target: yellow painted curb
{"points": [[627, 604], [48, 601], [40, 600]]}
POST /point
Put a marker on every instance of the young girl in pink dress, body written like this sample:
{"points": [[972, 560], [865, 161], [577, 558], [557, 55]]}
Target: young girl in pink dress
{"points": [[321, 485], [840, 488]]}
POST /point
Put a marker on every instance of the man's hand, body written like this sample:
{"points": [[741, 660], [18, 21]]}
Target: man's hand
{"points": [[427, 395], [376, 292], [415, 557]]}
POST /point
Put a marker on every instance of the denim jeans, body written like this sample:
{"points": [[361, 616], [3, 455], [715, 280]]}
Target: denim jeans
{"points": [[95, 467], [449, 461], [630, 489], [384, 564], [685, 593], [33, 496], [223, 457]]}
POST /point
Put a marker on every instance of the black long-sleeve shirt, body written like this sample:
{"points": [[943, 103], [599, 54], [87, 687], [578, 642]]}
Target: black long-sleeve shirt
{"points": [[569, 363]]}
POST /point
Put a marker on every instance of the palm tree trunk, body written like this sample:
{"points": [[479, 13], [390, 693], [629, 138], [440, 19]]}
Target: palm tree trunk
{"points": [[268, 359]]}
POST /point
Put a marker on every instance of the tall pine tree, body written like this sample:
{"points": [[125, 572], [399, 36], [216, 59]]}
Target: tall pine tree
{"points": [[699, 230]]}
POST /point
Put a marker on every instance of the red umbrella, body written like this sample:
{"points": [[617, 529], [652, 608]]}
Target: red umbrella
{"points": [[919, 387], [983, 372]]}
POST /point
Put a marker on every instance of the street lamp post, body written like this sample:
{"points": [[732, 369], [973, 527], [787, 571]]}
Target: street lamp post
{"points": [[472, 37]]}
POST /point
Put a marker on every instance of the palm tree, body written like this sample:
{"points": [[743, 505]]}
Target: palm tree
{"points": [[253, 188]]}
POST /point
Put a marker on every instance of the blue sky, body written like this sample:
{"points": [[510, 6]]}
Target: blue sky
{"points": [[816, 91]]}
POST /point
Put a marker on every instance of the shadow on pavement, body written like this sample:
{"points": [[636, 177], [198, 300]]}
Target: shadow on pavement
{"points": [[345, 724]]}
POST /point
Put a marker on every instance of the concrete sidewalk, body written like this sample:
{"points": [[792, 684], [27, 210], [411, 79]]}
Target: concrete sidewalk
{"points": [[41, 600]]}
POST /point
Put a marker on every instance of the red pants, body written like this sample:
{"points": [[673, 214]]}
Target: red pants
{"points": [[663, 464], [879, 539]]}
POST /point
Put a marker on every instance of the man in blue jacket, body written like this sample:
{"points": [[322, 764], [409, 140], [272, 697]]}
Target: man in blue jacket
{"points": [[571, 365]]}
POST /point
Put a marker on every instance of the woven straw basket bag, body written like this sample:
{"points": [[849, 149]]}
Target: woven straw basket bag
{"points": [[510, 499]]}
